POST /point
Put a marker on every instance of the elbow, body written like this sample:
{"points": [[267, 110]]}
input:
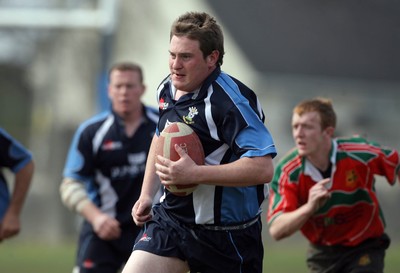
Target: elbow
{"points": [[264, 171], [269, 169], [268, 173], [275, 237], [276, 234], [29, 168], [278, 230], [269, 176], [73, 194], [257, 170], [264, 177]]}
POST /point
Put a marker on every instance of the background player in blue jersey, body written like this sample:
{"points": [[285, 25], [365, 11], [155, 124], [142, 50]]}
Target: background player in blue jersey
{"points": [[15, 157], [217, 228], [104, 172]]}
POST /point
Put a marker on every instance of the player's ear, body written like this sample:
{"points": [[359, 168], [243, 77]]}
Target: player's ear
{"points": [[143, 89], [330, 131], [212, 59]]}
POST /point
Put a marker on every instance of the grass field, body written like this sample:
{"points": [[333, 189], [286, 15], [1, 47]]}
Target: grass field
{"points": [[19, 257]]}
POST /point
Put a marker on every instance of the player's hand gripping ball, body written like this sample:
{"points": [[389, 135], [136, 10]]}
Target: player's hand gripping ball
{"points": [[181, 134]]}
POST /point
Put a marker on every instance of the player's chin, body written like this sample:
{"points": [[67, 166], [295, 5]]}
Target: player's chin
{"points": [[124, 111], [179, 83], [302, 151]]}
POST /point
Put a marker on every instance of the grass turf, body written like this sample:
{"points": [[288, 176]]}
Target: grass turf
{"points": [[23, 257]]}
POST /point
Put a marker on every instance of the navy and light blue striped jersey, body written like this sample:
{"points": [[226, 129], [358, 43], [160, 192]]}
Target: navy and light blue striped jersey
{"points": [[229, 120], [14, 156], [109, 163]]}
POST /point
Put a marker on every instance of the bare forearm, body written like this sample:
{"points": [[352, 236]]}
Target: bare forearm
{"points": [[90, 211], [288, 223], [243, 172], [21, 187]]}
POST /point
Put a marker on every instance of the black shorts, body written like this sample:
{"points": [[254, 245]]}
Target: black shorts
{"points": [[366, 257], [99, 256], [205, 250]]}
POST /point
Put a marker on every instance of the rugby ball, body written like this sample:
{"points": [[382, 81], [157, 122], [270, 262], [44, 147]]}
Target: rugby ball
{"points": [[183, 135]]}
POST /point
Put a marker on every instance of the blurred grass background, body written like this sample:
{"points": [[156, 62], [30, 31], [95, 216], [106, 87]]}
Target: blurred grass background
{"points": [[39, 257]]}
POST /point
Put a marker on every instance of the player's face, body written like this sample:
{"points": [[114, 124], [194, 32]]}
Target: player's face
{"points": [[187, 64], [125, 90], [308, 134]]}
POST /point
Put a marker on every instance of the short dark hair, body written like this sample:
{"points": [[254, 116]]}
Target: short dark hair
{"points": [[126, 66], [202, 27]]}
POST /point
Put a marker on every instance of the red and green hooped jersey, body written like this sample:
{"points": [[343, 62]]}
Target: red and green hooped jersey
{"points": [[352, 214]]}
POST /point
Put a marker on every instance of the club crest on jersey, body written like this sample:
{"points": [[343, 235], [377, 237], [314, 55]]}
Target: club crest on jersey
{"points": [[110, 145], [189, 117], [364, 260], [351, 178], [162, 104]]}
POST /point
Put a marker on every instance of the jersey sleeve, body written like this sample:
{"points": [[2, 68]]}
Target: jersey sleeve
{"points": [[79, 163], [283, 191], [13, 155], [242, 124], [387, 162]]}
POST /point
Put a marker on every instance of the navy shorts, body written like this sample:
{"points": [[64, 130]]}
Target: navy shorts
{"points": [[99, 256], [205, 250], [366, 257]]}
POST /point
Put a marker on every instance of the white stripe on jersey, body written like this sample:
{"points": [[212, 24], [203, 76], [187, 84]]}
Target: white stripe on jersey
{"points": [[107, 194], [207, 109], [98, 138], [203, 196]]}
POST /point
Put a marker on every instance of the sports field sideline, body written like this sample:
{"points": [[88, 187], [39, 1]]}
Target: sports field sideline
{"points": [[36, 257]]}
